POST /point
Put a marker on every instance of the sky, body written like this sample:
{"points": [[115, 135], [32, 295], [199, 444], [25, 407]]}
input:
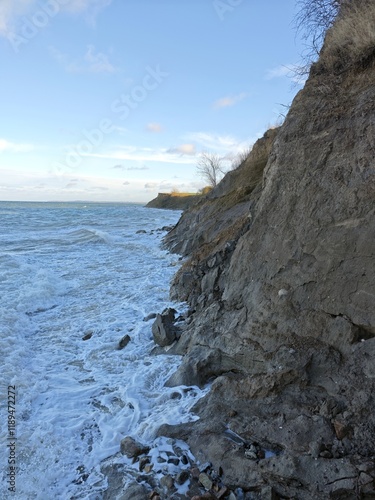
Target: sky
{"points": [[114, 100]]}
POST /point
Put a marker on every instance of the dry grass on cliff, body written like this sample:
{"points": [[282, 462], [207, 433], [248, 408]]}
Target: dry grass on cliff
{"points": [[351, 41]]}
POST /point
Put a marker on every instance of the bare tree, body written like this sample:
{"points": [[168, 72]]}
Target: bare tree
{"points": [[210, 168]]}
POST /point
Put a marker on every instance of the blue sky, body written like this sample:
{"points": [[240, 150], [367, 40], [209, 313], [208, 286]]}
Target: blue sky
{"points": [[114, 100]]}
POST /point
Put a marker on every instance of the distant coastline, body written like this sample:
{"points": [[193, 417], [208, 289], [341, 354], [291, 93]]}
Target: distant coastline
{"points": [[174, 201]]}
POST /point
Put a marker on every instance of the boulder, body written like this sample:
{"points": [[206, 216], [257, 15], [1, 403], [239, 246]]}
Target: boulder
{"points": [[163, 329], [132, 448]]}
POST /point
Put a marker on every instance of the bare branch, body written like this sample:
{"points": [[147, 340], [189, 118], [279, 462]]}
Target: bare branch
{"points": [[313, 20]]}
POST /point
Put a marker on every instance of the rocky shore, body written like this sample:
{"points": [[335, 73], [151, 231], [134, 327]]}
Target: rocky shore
{"points": [[279, 276]]}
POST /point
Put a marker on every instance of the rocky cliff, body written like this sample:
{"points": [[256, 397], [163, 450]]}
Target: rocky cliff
{"points": [[279, 275]]}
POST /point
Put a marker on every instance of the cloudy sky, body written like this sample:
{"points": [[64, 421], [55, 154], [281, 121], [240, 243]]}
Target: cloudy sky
{"points": [[113, 100]]}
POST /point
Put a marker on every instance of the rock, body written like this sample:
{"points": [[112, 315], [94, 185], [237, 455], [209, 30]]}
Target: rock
{"points": [[205, 467], [163, 329], [123, 342], [268, 493], [205, 496], [194, 471], [205, 481], [150, 316], [141, 231], [167, 483], [341, 429], [154, 495], [222, 493], [325, 454], [134, 491], [143, 462], [132, 448], [182, 477], [174, 461], [251, 455]]}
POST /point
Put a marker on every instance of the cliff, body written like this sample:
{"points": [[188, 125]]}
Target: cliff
{"points": [[171, 201], [279, 275]]}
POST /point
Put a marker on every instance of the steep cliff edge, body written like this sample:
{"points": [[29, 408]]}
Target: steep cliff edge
{"points": [[280, 280]]}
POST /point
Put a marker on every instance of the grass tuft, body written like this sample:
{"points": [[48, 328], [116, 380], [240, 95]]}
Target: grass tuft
{"points": [[351, 41]]}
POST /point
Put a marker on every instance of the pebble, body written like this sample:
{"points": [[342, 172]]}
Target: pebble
{"points": [[123, 342], [143, 462], [174, 460]]}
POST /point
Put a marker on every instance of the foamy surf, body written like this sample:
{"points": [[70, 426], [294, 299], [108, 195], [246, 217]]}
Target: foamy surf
{"points": [[76, 399]]}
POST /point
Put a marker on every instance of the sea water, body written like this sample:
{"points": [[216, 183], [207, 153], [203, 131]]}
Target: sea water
{"points": [[69, 272]]}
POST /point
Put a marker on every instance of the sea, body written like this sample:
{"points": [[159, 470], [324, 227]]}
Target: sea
{"points": [[75, 278]]}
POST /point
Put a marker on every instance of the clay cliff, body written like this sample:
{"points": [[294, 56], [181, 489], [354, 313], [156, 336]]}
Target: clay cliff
{"points": [[279, 276]]}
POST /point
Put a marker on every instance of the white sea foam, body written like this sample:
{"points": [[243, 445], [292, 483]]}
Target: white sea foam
{"points": [[66, 272]]}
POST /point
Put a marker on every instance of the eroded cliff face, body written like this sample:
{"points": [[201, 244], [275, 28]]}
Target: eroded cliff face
{"points": [[280, 279]]}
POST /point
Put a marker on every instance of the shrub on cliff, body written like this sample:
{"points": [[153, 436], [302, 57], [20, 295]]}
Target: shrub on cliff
{"points": [[347, 28], [351, 41]]}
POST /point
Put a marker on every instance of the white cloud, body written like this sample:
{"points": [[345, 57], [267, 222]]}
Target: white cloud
{"points": [[14, 147], [154, 127], [143, 167], [144, 155], [168, 186], [12, 12], [122, 167], [184, 149], [278, 72], [227, 101], [120, 130], [90, 8], [97, 61], [41, 186], [293, 71], [151, 185], [92, 61], [220, 144]]}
